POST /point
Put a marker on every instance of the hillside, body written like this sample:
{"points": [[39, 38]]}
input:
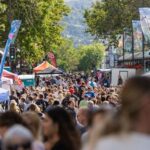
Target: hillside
{"points": [[75, 26]]}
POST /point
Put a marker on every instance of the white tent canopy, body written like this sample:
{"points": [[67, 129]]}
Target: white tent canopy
{"points": [[104, 70], [7, 81], [4, 95]]}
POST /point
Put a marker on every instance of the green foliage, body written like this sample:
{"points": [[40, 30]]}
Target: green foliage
{"points": [[67, 56], [83, 58], [41, 29], [91, 56], [110, 17]]}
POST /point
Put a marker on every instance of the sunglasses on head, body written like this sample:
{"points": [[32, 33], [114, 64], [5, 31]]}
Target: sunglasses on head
{"points": [[25, 146]]}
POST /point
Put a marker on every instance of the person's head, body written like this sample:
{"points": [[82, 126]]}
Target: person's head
{"points": [[13, 106], [41, 96], [135, 97], [56, 103], [90, 105], [17, 138], [89, 89], [34, 122], [71, 103], [50, 100], [49, 90], [98, 117], [22, 100], [108, 98], [83, 84], [30, 99], [86, 97], [8, 119], [34, 96], [34, 108], [12, 93], [82, 116], [59, 123], [103, 98]]}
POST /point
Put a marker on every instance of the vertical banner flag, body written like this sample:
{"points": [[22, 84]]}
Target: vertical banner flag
{"points": [[52, 58], [127, 42], [15, 25], [145, 22], [137, 34]]}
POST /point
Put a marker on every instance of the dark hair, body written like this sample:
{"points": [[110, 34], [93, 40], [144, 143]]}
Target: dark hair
{"points": [[56, 103], [9, 119], [45, 95], [23, 99], [70, 101], [67, 131], [12, 92], [108, 97], [103, 98], [18, 95], [41, 96], [34, 94], [30, 98]]}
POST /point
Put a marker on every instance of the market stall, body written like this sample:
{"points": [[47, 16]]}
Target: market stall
{"points": [[43, 66], [50, 70], [28, 80], [4, 95], [12, 76]]}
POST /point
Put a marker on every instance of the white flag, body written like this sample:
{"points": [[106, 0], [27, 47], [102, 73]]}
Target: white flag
{"points": [[145, 22]]}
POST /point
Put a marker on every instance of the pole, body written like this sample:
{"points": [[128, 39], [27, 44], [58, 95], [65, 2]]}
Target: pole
{"points": [[123, 47], [4, 58], [133, 59], [143, 51], [15, 25]]}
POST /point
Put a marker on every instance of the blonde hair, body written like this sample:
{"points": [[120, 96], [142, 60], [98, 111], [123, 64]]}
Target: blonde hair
{"points": [[34, 123], [34, 108], [13, 107]]}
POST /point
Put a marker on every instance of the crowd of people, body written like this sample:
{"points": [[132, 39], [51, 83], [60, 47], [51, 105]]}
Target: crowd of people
{"points": [[77, 112]]}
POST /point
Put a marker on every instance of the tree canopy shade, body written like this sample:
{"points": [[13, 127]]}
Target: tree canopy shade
{"points": [[67, 56], [110, 17], [91, 56], [41, 29], [82, 58]]}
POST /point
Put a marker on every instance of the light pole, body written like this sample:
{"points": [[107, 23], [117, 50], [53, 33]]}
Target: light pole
{"points": [[123, 47], [132, 47], [143, 51]]}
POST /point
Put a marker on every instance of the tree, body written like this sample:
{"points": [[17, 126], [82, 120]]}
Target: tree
{"points": [[91, 56], [109, 17], [68, 56], [41, 29], [82, 58]]}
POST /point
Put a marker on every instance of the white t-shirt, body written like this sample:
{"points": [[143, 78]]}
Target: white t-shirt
{"points": [[133, 141], [93, 83]]}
